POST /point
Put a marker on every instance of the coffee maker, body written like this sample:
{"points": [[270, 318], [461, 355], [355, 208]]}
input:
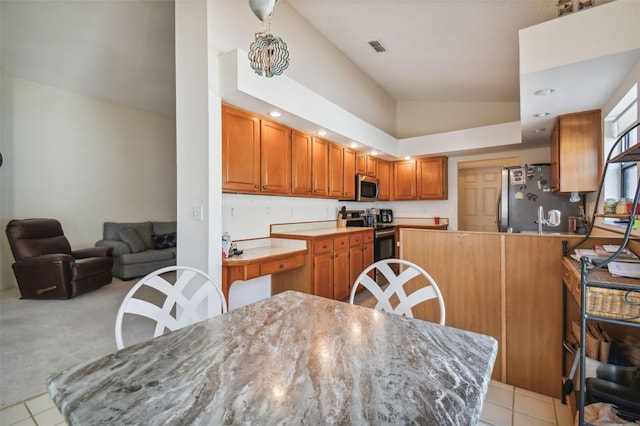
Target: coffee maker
{"points": [[386, 215]]}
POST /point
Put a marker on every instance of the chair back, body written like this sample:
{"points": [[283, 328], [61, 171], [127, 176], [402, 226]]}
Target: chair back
{"points": [[396, 286], [36, 237], [192, 298]]}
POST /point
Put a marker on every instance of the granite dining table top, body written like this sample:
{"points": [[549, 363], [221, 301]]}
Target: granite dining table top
{"points": [[293, 358]]}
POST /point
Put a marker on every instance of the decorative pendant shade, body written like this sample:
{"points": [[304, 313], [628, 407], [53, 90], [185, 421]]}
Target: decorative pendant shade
{"points": [[268, 55]]}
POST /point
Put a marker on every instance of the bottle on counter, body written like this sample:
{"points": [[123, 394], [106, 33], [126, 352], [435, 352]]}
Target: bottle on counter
{"points": [[226, 245]]}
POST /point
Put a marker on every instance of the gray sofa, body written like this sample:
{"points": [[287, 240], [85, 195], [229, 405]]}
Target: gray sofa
{"points": [[139, 248]]}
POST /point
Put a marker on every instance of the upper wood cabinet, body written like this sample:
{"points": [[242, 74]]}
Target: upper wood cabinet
{"points": [[275, 158], [366, 165], [341, 172], [319, 167], [384, 180], [309, 165], [432, 178], [349, 174], [404, 180], [240, 151], [576, 152], [256, 153]]}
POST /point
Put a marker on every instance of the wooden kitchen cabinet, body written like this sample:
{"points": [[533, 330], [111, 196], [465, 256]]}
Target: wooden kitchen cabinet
{"points": [[309, 165], [341, 172], [576, 152], [366, 165], [384, 180], [349, 174], [256, 153], [319, 167], [432, 178], [240, 151], [404, 180], [332, 263]]}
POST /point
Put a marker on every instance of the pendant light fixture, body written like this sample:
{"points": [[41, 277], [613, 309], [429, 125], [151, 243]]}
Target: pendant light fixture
{"points": [[268, 54]]}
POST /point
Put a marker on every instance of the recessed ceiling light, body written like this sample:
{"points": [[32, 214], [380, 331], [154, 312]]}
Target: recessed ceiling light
{"points": [[374, 153], [322, 132], [543, 92], [275, 114], [407, 157], [538, 130], [541, 114]]}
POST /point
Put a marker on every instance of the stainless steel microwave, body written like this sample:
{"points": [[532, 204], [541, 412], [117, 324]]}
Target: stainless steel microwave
{"points": [[366, 188]]}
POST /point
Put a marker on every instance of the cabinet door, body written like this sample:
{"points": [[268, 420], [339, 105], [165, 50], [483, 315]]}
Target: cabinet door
{"points": [[580, 147], [240, 151], [323, 275], [384, 179], [361, 164], [341, 278], [555, 158], [300, 163], [320, 167], [367, 254], [356, 263], [404, 180], [349, 174], [372, 166], [275, 157], [336, 176], [432, 178]]}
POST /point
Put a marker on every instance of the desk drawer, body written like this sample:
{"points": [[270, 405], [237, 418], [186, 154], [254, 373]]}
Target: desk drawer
{"points": [[276, 266]]}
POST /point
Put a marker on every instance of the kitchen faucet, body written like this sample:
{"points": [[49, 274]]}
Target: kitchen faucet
{"points": [[554, 219]]}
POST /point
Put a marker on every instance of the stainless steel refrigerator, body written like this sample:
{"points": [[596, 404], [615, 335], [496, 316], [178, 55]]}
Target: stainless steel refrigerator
{"points": [[524, 190]]}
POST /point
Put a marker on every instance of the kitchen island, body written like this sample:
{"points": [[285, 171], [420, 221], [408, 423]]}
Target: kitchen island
{"points": [[508, 286], [290, 359]]}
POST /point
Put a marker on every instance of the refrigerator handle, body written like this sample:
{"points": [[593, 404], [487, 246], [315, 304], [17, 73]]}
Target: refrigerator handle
{"points": [[499, 213]]}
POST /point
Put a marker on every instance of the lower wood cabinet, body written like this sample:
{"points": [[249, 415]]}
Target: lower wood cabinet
{"points": [[333, 263]]}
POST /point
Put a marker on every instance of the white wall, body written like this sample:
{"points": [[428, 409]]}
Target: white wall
{"points": [[427, 118], [83, 161]]}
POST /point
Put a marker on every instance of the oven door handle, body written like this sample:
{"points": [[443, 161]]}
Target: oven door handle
{"points": [[381, 234]]}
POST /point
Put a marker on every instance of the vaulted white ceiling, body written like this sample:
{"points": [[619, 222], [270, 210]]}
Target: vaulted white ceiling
{"points": [[437, 50]]}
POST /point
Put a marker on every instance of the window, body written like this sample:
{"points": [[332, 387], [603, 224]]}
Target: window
{"points": [[622, 179]]}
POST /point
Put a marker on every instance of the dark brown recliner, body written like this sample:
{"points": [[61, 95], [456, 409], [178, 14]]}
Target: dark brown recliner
{"points": [[47, 268]]}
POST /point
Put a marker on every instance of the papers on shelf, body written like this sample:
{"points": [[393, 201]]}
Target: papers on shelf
{"points": [[600, 254], [624, 269]]}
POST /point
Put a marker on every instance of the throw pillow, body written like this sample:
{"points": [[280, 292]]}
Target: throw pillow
{"points": [[163, 241], [131, 237]]}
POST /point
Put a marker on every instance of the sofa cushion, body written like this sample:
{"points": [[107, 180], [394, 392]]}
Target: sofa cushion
{"points": [[144, 230], [163, 241], [148, 256], [163, 227], [131, 237]]}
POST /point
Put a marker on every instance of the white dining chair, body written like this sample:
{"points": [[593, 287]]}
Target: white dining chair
{"points": [[407, 271], [193, 297]]}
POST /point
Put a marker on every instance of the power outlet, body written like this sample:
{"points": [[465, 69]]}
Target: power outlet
{"points": [[197, 213]]}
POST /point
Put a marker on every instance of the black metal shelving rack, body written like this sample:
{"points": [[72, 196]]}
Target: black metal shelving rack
{"points": [[630, 155]]}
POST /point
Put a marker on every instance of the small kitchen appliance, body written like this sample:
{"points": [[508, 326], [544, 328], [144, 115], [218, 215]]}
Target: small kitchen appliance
{"points": [[386, 216]]}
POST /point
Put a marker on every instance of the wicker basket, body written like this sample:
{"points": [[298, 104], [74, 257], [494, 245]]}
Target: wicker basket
{"points": [[611, 303]]}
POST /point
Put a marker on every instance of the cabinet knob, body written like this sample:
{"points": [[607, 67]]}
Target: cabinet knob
{"points": [[257, 186], [281, 265], [264, 186]]}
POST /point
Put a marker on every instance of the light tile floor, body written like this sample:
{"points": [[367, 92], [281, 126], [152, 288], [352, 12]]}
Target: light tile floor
{"points": [[504, 405]]}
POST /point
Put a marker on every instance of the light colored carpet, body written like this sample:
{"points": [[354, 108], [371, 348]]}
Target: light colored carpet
{"points": [[39, 338]]}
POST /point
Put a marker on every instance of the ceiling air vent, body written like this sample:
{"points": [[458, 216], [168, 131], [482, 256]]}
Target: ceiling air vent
{"points": [[377, 46]]}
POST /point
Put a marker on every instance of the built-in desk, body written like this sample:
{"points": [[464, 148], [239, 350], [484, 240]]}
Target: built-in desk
{"points": [[260, 257]]}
